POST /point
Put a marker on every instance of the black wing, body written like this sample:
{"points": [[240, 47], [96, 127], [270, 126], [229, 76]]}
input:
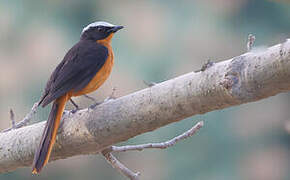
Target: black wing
{"points": [[76, 70]]}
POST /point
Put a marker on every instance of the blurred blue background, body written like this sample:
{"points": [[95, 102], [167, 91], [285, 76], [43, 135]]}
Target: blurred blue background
{"points": [[161, 40]]}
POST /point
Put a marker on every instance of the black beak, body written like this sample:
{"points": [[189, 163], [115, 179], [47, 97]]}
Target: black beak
{"points": [[115, 29]]}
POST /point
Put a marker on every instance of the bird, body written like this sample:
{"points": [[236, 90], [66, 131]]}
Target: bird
{"points": [[84, 68]]}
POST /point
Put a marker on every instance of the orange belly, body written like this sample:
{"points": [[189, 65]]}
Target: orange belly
{"points": [[100, 77]]}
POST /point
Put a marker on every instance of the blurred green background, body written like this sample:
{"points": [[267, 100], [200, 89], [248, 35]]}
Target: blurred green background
{"points": [[161, 40]]}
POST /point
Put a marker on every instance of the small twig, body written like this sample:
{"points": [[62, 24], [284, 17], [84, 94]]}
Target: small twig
{"points": [[205, 66], [161, 145], [115, 163], [250, 42], [12, 118], [126, 171], [112, 96], [25, 120], [149, 84]]}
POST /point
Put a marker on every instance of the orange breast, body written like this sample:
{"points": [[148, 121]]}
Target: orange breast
{"points": [[100, 77]]}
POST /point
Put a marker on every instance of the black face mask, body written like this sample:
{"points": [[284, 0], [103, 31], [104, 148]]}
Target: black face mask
{"points": [[99, 32]]}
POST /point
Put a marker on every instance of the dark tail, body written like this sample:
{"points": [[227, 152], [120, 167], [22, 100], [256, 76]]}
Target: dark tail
{"points": [[42, 153]]}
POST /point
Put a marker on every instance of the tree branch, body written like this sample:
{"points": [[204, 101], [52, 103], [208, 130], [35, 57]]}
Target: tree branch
{"points": [[119, 166], [107, 153], [162, 145], [24, 121], [242, 79]]}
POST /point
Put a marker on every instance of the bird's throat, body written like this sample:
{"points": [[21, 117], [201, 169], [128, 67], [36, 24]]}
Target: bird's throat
{"points": [[107, 40]]}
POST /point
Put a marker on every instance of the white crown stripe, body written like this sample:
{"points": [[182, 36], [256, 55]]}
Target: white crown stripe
{"points": [[98, 23]]}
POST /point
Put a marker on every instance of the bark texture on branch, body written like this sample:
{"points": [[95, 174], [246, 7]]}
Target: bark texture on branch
{"points": [[246, 78]]}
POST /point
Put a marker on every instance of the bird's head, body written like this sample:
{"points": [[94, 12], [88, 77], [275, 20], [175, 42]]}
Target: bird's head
{"points": [[99, 30]]}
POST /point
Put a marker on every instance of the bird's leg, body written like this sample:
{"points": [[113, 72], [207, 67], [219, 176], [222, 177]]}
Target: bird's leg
{"points": [[90, 98], [94, 100], [112, 96], [75, 105], [94, 105]]}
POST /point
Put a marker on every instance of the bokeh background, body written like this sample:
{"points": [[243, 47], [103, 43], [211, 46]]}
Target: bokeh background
{"points": [[162, 39]]}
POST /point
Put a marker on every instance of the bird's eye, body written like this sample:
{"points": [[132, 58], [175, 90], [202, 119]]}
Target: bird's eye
{"points": [[100, 29]]}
